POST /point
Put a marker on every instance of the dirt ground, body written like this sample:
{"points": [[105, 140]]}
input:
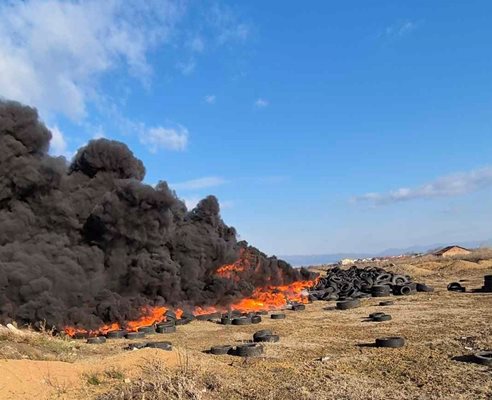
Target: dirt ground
{"points": [[437, 326]]}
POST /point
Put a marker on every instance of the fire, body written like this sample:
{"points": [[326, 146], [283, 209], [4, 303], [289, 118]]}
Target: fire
{"points": [[267, 298], [227, 271]]}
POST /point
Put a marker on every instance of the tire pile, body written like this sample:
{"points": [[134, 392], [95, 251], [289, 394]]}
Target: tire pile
{"points": [[356, 283]]}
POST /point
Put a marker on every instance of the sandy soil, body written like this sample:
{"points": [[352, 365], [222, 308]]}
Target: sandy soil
{"points": [[437, 326]]}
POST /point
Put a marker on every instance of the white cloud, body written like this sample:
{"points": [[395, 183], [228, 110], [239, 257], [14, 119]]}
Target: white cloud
{"points": [[165, 138], [186, 68], [226, 24], [261, 103], [53, 52], [200, 183], [58, 144], [399, 29], [210, 99], [197, 44], [447, 186]]}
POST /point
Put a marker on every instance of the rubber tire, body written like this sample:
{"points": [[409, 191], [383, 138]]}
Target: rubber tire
{"points": [[484, 358], [277, 316], [160, 345], [348, 304], [147, 329], [166, 329], [255, 319], [392, 342], [421, 287], [81, 335], [454, 287], [299, 307], [374, 314], [220, 350], [381, 318], [137, 346], [268, 338], [183, 321], [166, 323], [96, 340], [135, 335], [387, 303], [120, 334], [249, 350], [259, 334], [242, 321]]}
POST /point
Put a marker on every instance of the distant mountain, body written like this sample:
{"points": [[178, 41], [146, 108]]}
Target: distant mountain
{"points": [[318, 259]]}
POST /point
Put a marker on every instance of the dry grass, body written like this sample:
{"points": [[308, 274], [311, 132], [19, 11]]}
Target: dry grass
{"points": [[437, 326]]}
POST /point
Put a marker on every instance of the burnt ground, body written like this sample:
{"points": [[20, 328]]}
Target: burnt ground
{"points": [[438, 327]]}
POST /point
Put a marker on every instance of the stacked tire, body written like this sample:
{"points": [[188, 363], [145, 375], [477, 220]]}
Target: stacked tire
{"points": [[380, 291], [487, 284]]}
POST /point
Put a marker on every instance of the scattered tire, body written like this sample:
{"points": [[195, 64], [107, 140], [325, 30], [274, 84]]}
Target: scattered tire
{"points": [[268, 338], [183, 321], [147, 329], [220, 350], [120, 334], [421, 287], [137, 346], [381, 318], [160, 345], [390, 342], [484, 358], [249, 350], [242, 321], [278, 316], [96, 340], [262, 333], [375, 314], [167, 323], [348, 304], [135, 335], [255, 319], [456, 287], [403, 290], [386, 303], [166, 329], [226, 321], [298, 307]]}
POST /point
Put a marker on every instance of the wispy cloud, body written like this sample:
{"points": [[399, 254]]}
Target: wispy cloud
{"points": [[447, 186], [261, 103], [52, 53], [200, 183], [165, 138], [227, 25], [399, 29], [210, 99]]}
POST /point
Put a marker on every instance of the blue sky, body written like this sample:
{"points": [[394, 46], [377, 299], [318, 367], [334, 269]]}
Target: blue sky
{"points": [[321, 127]]}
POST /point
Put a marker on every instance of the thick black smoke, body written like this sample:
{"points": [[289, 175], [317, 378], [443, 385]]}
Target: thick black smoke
{"points": [[89, 243]]}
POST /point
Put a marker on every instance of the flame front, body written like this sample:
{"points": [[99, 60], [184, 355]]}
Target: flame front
{"points": [[263, 298]]}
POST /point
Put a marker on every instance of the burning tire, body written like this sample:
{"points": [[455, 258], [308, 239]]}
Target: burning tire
{"points": [[183, 321], [135, 335], [166, 328], [160, 345], [424, 288], [167, 323], [226, 321], [255, 319], [249, 350], [116, 334], [259, 334], [390, 342], [484, 358], [278, 316], [81, 335], [96, 340], [348, 304], [147, 329], [220, 350], [242, 321]]}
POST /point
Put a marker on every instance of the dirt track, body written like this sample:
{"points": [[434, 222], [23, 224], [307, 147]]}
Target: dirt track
{"points": [[437, 326]]}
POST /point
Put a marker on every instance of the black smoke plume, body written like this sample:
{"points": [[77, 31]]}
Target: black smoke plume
{"points": [[88, 243]]}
